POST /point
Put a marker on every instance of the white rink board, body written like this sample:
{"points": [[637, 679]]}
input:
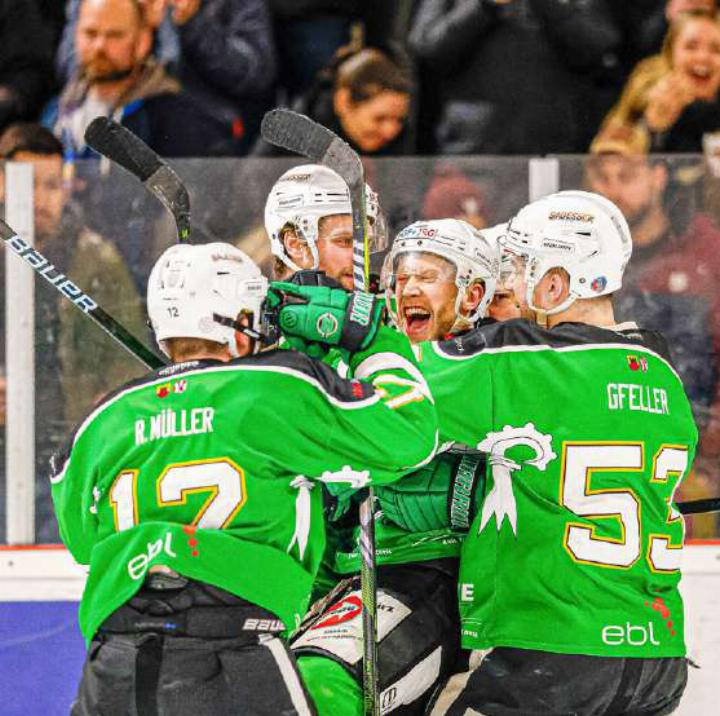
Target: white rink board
{"points": [[51, 575]]}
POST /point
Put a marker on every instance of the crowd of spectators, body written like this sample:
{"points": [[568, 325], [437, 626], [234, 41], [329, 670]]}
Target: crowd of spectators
{"points": [[408, 77]]}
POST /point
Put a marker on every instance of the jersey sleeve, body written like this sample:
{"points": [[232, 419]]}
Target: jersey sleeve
{"points": [[73, 492], [371, 428]]}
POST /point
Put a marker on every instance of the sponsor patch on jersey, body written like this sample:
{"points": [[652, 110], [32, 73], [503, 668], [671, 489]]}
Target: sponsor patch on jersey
{"points": [[637, 363], [179, 386]]}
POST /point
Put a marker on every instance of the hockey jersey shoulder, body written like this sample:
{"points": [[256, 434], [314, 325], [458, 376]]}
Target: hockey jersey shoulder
{"points": [[293, 362], [524, 334]]}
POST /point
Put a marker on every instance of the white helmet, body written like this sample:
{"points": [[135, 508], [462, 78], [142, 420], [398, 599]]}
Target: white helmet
{"points": [[581, 232], [304, 195], [198, 291], [474, 255]]}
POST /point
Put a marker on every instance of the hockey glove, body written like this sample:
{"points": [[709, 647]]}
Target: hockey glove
{"points": [[311, 316], [442, 495]]}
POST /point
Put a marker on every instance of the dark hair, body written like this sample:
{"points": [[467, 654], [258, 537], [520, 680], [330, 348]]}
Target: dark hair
{"points": [[369, 72], [29, 137]]}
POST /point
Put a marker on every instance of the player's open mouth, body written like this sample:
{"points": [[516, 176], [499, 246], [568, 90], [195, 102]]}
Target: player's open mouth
{"points": [[416, 319]]}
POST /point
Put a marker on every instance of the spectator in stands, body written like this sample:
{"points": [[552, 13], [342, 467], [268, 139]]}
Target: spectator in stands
{"points": [[309, 33], [515, 76], [221, 51], [649, 38], [365, 99], [670, 285], [117, 76], [25, 61], [451, 195], [671, 99], [76, 363]]}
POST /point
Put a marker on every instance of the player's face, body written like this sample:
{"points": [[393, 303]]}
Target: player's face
{"points": [[49, 192], [505, 305], [696, 55], [108, 37], [375, 122], [425, 294], [335, 248], [629, 182]]}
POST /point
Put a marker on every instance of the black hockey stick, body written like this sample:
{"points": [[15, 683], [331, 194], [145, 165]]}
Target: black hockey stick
{"points": [[81, 299], [694, 507], [300, 134], [119, 144]]}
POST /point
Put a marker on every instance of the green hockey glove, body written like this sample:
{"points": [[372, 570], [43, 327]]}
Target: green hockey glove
{"points": [[442, 495], [325, 316]]}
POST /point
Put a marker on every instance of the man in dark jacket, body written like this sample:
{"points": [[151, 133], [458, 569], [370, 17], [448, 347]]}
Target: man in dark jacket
{"points": [[516, 76], [25, 60], [222, 52], [118, 77]]}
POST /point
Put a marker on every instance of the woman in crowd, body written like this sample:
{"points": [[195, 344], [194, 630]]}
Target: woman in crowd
{"points": [[364, 97], [671, 99]]}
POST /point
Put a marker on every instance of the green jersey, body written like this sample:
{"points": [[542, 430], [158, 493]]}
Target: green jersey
{"points": [[209, 468], [576, 548]]}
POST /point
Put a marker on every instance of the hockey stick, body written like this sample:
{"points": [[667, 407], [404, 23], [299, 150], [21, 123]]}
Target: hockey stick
{"points": [[694, 507], [85, 303], [300, 134], [119, 144]]}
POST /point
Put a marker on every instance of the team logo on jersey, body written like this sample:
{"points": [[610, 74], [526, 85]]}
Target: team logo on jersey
{"points": [[598, 284], [180, 386], [326, 325], [636, 363], [500, 501]]}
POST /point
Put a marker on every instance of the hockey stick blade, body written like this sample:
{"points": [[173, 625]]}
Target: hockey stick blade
{"points": [[85, 303], [300, 134], [126, 149]]}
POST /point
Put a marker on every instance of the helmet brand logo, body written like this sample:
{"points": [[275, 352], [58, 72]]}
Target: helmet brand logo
{"points": [[571, 216]]}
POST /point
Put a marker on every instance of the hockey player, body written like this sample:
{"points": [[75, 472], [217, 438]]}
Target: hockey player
{"points": [[308, 219], [441, 277], [189, 492], [569, 574]]}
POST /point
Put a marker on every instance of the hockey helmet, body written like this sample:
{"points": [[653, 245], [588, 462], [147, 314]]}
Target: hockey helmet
{"points": [[583, 233], [473, 254], [198, 291], [304, 195]]}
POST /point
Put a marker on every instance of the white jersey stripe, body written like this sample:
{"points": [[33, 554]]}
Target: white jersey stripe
{"points": [[290, 676]]}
